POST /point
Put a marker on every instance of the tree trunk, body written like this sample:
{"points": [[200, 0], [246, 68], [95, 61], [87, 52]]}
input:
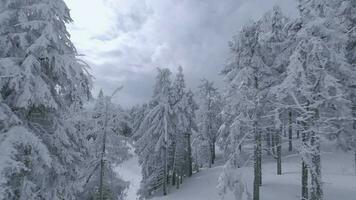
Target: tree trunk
{"points": [[260, 157], [196, 160], [274, 137], [316, 183], [210, 156], [174, 177], [165, 170], [256, 181], [269, 141], [305, 191], [290, 132], [213, 156], [298, 129], [102, 161], [190, 168], [178, 182], [279, 151], [212, 153], [304, 181]]}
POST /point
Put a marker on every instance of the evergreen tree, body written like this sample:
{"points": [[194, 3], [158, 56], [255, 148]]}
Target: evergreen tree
{"points": [[157, 130], [209, 119], [103, 127], [184, 107], [258, 60], [313, 83], [41, 81]]}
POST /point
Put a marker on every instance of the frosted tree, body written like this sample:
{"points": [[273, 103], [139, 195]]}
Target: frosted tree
{"points": [[344, 19], [184, 108], [22, 152], [209, 119], [258, 60], [103, 126], [137, 114], [157, 131], [242, 75], [41, 79], [313, 83]]}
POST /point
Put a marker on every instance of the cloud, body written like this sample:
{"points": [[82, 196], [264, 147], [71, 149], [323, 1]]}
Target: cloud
{"points": [[125, 40]]}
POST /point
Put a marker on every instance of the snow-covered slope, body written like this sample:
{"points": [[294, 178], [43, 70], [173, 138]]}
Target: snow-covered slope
{"points": [[130, 171], [338, 177]]}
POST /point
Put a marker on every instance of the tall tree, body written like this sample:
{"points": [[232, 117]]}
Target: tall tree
{"points": [[209, 119], [313, 83], [41, 79], [258, 60], [184, 107], [157, 130], [103, 128]]}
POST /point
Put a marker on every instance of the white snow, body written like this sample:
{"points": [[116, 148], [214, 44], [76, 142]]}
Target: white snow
{"points": [[338, 177], [130, 171]]}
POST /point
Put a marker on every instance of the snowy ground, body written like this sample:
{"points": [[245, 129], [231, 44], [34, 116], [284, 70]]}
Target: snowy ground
{"points": [[130, 171], [338, 176]]}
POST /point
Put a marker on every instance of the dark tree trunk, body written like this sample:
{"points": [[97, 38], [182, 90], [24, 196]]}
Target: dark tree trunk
{"points": [[290, 132], [178, 182], [102, 162], [190, 168], [256, 181], [316, 189], [212, 149], [298, 130], [279, 151], [174, 177], [269, 141], [274, 137], [305, 195], [260, 157], [165, 171], [305, 190]]}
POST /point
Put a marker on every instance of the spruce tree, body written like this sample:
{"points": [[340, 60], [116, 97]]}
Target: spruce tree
{"points": [[157, 131], [41, 82]]}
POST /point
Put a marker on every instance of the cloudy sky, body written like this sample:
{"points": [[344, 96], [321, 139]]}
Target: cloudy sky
{"points": [[124, 41]]}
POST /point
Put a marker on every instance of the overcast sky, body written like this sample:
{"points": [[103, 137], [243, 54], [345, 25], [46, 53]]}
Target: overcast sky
{"points": [[124, 41]]}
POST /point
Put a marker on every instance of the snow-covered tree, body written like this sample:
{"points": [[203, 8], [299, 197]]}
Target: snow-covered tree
{"points": [[41, 79], [314, 83], [157, 132], [209, 121], [184, 108], [258, 59], [103, 126], [137, 113]]}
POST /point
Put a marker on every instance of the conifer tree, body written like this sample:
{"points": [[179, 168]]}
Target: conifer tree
{"points": [[209, 119], [157, 130], [41, 81]]}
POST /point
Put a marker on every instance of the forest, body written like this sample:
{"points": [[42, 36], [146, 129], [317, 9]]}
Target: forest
{"points": [[282, 126]]}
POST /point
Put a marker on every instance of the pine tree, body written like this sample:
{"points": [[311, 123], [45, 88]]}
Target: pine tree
{"points": [[155, 144], [41, 81], [209, 119], [258, 60], [312, 82], [102, 125], [184, 109]]}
